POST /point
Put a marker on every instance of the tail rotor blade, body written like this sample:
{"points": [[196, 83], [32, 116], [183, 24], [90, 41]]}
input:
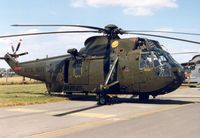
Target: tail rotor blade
{"points": [[18, 45], [22, 54], [2, 58], [13, 49]]}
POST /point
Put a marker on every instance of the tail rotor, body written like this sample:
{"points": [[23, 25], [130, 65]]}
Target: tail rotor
{"points": [[14, 51], [14, 54]]}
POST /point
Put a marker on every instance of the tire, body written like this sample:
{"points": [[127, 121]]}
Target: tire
{"points": [[102, 99]]}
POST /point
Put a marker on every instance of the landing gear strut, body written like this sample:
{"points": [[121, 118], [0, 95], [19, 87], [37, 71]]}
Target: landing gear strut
{"points": [[102, 96]]}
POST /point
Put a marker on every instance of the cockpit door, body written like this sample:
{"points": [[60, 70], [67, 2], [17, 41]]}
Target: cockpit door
{"points": [[146, 68]]}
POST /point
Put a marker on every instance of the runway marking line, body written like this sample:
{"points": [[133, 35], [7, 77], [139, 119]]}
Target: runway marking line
{"points": [[89, 125], [79, 114], [26, 110], [93, 115], [73, 129], [131, 116]]}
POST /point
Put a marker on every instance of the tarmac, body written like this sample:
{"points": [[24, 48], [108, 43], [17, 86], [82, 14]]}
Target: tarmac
{"points": [[176, 114]]}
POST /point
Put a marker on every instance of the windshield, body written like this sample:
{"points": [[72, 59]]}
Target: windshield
{"points": [[153, 44], [157, 61]]}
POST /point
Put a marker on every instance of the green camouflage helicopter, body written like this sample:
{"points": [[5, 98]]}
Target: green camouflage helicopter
{"points": [[106, 65]]}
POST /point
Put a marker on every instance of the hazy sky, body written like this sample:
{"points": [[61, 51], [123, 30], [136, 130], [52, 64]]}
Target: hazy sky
{"points": [[172, 15]]}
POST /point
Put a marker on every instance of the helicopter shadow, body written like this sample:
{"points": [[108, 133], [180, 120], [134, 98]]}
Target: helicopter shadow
{"points": [[152, 101], [76, 111], [120, 100]]}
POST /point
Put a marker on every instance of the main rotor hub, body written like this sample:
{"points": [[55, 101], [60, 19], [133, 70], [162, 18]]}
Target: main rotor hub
{"points": [[111, 27], [113, 31]]}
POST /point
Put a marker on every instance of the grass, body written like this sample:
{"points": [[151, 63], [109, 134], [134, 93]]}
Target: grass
{"points": [[17, 80], [12, 95], [190, 85]]}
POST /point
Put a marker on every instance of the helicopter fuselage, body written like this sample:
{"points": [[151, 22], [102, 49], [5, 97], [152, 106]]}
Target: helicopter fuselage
{"points": [[135, 66]]}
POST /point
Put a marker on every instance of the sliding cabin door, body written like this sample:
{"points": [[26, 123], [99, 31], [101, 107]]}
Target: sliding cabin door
{"points": [[78, 72]]}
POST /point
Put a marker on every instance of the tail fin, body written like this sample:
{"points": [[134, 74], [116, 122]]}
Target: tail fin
{"points": [[10, 58], [13, 63]]}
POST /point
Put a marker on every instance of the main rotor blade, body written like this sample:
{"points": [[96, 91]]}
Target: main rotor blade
{"points": [[101, 29], [184, 53], [47, 33], [167, 32], [166, 37], [59, 25]]}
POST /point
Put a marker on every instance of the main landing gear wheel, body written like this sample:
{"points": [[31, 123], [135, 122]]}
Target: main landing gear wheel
{"points": [[143, 97], [102, 99]]}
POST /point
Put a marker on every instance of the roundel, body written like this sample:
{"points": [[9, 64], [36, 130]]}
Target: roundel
{"points": [[115, 44]]}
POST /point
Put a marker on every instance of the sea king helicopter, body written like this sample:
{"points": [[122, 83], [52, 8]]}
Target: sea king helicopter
{"points": [[106, 65]]}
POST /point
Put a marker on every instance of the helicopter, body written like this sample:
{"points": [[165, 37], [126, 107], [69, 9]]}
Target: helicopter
{"points": [[192, 70], [106, 65]]}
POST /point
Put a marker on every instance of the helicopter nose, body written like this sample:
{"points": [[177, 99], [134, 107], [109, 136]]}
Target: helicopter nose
{"points": [[178, 78], [179, 73]]}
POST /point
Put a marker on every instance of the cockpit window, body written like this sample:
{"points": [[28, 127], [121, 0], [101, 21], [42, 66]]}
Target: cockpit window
{"points": [[146, 60], [153, 43], [157, 61], [161, 65], [141, 44]]}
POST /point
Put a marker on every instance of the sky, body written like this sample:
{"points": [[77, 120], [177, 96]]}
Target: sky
{"points": [[170, 15]]}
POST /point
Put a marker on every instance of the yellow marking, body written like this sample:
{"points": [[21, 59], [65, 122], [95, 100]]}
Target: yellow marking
{"points": [[115, 44], [80, 114], [73, 129], [147, 69], [25, 110], [135, 115], [93, 115], [89, 125], [84, 114]]}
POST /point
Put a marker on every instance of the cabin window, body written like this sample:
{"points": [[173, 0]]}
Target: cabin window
{"points": [[78, 69], [199, 70]]}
